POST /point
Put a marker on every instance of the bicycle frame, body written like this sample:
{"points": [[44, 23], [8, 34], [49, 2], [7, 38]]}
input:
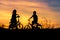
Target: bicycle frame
{"points": [[19, 23]]}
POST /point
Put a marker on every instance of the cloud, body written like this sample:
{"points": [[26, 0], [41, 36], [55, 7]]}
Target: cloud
{"points": [[55, 4]]}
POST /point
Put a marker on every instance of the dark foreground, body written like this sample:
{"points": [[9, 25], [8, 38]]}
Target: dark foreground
{"points": [[29, 30]]}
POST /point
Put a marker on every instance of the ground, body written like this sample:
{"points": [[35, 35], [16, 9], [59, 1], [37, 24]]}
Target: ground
{"points": [[29, 30]]}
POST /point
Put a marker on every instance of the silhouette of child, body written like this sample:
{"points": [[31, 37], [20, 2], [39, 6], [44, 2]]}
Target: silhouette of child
{"points": [[35, 18], [13, 22]]}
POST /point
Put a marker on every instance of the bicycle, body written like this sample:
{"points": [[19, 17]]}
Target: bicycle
{"points": [[18, 24], [28, 26], [35, 26]]}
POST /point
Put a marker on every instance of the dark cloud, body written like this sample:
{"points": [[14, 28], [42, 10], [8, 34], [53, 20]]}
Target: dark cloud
{"points": [[55, 4]]}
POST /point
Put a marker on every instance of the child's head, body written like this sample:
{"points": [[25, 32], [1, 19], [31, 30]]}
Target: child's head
{"points": [[14, 11], [34, 12]]}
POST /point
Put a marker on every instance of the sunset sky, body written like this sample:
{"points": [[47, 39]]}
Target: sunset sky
{"points": [[44, 8]]}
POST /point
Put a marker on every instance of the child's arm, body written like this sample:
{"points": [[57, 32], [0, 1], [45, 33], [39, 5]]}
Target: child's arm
{"points": [[30, 17], [17, 15]]}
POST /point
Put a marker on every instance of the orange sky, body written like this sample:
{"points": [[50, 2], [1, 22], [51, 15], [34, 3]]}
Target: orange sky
{"points": [[25, 10]]}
